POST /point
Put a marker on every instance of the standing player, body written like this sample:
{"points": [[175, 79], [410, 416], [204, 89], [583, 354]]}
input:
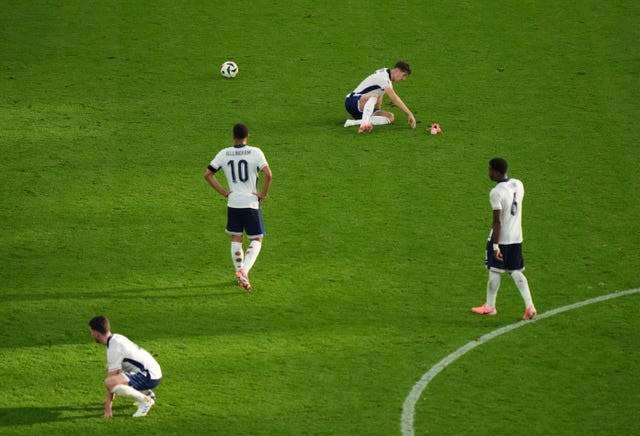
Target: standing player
{"points": [[504, 247], [131, 371], [365, 102], [241, 165]]}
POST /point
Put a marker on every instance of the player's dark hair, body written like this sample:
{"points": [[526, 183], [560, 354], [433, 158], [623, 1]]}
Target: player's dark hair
{"points": [[403, 66], [240, 131], [499, 164], [100, 324]]}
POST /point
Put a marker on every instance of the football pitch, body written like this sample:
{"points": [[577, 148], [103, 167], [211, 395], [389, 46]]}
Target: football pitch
{"points": [[111, 111]]}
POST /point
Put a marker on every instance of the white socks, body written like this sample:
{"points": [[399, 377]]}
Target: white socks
{"points": [[242, 260], [253, 250], [237, 255], [493, 284], [369, 106], [128, 391], [523, 286], [376, 120]]}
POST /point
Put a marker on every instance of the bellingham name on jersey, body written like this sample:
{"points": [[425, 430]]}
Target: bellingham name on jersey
{"points": [[239, 152]]}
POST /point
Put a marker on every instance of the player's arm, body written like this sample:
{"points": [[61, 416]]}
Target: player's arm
{"points": [[108, 403], [108, 398], [495, 234], [266, 183], [396, 100], [210, 177]]}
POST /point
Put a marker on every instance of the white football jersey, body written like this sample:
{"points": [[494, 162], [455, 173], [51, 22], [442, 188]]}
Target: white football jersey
{"points": [[375, 83], [124, 354], [241, 166], [507, 197]]}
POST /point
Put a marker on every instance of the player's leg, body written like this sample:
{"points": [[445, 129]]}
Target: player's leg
{"points": [[514, 264], [379, 118], [367, 105], [495, 268], [239, 261], [352, 107], [235, 229], [142, 383], [119, 384], [382, 117], [253, 250], [255, 233], [110, 384], [237, 255], [493, 285], [523, 286], [251, 220]]}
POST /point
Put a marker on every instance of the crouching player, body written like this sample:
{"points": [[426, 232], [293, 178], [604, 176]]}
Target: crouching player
{"points": [[131, 371]]}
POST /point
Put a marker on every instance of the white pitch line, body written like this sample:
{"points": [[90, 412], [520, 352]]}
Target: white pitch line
{"points": [[409, 406]]}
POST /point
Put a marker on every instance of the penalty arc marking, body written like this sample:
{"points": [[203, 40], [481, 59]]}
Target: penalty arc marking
{"points": [[409, 406]]}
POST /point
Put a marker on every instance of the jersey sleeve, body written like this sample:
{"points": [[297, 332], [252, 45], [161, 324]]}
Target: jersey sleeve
{"points": [[115, 356], [217, 161], [494, 199], [383, 80], [262, 160]]}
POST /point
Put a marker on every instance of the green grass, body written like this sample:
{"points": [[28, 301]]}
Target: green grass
{"points": [[111, 111]]}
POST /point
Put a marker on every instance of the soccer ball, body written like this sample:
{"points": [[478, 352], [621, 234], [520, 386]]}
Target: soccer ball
{"points": [[229, 70]]}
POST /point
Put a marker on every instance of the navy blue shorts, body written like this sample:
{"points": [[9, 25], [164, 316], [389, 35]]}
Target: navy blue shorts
{"points": [[351, 105], [141, 381], [512, 259], [247, 221]]}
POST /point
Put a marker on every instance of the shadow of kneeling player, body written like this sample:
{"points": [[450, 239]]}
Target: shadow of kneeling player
{"points": [[10, 416]]}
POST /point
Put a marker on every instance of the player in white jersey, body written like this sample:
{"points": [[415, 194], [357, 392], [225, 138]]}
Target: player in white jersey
{"points": [[131, 371], [242, 164], [504, 247], [365, 102]]}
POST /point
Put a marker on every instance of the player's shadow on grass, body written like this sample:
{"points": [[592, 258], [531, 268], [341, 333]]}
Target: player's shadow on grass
{"points": [[10, 416]]}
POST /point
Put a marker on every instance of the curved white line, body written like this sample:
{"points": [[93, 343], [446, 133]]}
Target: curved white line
{"points": [[408, 408]]}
